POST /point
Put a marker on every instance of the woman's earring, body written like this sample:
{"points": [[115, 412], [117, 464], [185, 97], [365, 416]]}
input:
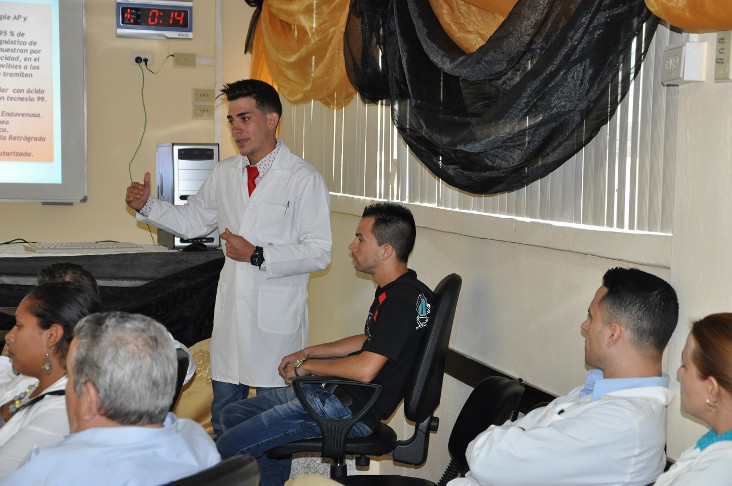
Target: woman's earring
{"points": [[47, 366], [711, 403]]}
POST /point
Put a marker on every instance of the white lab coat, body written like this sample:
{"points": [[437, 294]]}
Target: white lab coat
{"points": [[260, 315], [710, 467], [40, 425], [617, 439]]}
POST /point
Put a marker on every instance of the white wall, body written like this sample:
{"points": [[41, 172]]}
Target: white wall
{"points": [[701, 267]]}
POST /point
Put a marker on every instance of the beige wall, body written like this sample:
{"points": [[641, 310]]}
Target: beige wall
{"points": [[526, 285]]}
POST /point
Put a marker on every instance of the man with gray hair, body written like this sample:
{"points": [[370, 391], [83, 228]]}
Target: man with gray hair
{"points": [[121, 381]]}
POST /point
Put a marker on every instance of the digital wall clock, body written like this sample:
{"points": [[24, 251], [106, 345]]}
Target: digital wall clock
{"points": [[155, 19]]}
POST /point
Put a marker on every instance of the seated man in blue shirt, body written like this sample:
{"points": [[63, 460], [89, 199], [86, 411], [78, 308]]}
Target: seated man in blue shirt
{"points": [[612, 430], [121, 381]]}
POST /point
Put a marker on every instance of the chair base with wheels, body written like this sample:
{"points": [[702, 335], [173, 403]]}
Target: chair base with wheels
{"points": [[495, 400]]}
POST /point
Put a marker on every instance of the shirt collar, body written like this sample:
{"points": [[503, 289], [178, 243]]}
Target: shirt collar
{"points": [[597, 386], [264, 164], [711, 437]]}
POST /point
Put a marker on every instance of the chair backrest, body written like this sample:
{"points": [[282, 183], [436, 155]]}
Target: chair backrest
{"points": [[182, 358], [425, 385], [493, 401], [234, 471]]}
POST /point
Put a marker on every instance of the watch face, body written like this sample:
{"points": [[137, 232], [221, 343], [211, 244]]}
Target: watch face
{"points": [[257, 257]]}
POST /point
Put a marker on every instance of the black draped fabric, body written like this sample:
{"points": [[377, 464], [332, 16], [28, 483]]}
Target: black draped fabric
{"points": [[518, 107], [257, 4], [183, 301]]}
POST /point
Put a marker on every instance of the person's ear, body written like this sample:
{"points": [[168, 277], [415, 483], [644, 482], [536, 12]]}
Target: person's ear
{"points": [[54, 334], [614, 333], [386, 251], [712, 386], [273, 119], [90, 407]]}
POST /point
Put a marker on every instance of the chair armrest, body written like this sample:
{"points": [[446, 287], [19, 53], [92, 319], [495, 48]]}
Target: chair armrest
{"points": [[334, 431]]}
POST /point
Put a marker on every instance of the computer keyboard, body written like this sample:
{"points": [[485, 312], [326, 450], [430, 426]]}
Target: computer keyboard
{"points": [[82, 247]]}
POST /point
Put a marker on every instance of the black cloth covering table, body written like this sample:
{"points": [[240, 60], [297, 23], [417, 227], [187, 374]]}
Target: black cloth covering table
{"points": [[177, 289]]}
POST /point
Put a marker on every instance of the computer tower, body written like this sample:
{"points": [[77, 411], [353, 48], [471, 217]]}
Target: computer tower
{"points": [[181, 169]]}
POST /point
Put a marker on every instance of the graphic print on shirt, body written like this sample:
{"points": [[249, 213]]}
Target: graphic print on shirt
{"points": [[373, 315], [423, 311]]}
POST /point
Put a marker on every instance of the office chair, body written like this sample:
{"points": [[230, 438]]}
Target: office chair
{"points": [[234, 471], [493, 401], [422, 397], [182, 358]]}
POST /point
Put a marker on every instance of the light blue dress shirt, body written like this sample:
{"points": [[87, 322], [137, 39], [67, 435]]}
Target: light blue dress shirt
{"points": [[125, 455], [597, 385]]}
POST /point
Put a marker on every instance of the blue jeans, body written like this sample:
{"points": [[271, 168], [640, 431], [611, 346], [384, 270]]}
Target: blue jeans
{"points": [[275, 418], [224, 394]]}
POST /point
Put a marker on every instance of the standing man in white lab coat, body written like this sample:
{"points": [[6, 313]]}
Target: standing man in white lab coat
{"points": [[273, 212]]}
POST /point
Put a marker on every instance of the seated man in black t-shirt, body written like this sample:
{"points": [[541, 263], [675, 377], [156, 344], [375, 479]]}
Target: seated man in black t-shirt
{"points": [[383, 354]]}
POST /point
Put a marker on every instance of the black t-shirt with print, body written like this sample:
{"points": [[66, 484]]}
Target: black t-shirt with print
{"points": [[394, 329]]}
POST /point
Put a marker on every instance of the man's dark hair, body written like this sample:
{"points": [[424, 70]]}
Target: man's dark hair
{"points": [[67, 272], [393, 224], [644, 304], [264, 94]]}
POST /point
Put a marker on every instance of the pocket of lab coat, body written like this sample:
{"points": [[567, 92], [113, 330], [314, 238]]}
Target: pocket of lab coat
{"points": [[280, 309], [278, 217]]}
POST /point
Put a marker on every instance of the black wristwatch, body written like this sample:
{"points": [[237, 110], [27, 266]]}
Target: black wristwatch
{"points": [[257, 257]]}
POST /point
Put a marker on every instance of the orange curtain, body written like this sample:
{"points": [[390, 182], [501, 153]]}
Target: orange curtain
{"points": [[470, 23], [696, 15], [303, 51]]}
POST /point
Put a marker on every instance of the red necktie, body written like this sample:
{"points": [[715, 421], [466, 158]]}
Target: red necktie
{"points": [[252, 173]]}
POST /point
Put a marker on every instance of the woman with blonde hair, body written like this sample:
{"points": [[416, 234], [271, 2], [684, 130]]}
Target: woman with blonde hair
{"points": [[705, 376]]}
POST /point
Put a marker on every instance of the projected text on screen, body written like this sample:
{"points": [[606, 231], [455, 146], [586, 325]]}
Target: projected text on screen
{"points": [[28, 108]]}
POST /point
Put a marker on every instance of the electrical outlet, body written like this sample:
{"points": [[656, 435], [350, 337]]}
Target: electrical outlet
{"points": [[201, 95], [142, 56], [184, 59], [203, 111], [723, 56]]}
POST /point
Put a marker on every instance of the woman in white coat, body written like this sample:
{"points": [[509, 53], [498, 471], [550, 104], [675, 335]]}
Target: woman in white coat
{"points": [[32, 403], [705, 375]]}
